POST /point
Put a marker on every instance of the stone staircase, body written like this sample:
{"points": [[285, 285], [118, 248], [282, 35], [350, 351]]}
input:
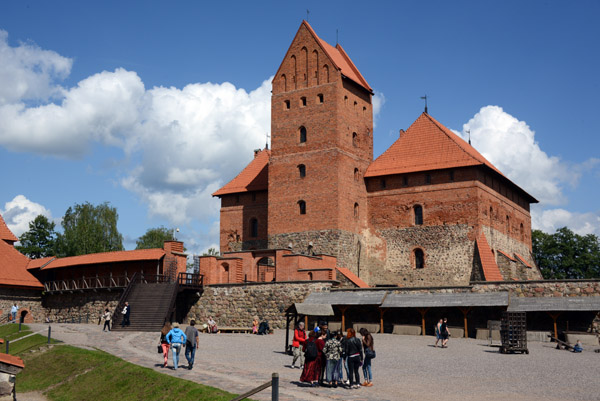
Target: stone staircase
{"points": [[150, 305]]}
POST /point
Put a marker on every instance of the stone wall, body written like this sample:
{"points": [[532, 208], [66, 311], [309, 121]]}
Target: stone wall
{"points": [[237, 304], [59, 307], [28, 301]]}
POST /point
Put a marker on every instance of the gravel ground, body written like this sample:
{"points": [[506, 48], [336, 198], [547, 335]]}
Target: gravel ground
{"points": [[406, 367]]}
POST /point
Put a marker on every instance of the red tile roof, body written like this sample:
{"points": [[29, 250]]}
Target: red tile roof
{"points": [[426, 145], [522, 259], [255, 177], [507, 255], [340, 59], [39, 263], [5, 233], [13, 268], [106, 257], [12, 360], [352, 277], [491, 272]]}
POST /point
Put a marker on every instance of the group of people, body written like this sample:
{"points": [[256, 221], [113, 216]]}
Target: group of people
{"points": [[173, 338], [107, 316], [323, 356], [442, 333]]}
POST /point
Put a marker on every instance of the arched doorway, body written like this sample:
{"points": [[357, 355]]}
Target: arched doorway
{"points": [[265, 269]]}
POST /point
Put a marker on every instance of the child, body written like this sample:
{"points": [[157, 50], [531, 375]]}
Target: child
{"points": [[578, 347]]}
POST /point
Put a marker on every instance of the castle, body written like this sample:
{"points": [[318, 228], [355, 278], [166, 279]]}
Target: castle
{"points": [[430, 211]]}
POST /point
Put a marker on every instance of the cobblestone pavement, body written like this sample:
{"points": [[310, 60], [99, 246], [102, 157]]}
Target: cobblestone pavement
{"points": [[406, 367]]}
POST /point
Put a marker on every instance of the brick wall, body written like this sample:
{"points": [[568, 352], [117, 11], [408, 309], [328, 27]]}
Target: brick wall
{"points": [[237, 211]]}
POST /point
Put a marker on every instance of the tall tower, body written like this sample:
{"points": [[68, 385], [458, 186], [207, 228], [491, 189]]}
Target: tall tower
{"points": [[321, 146]]}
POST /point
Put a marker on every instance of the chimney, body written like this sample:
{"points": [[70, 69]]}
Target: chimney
{"points": [[256, 152], [401, 132]]}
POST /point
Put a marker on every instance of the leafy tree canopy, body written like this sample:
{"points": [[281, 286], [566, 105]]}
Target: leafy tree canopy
{"points": [[154, 238], [566, 255], [211, 252], [89, 229], [40, 240]]}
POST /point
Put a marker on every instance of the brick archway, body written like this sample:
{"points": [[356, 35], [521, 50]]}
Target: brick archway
{"points": [[26, 314]]}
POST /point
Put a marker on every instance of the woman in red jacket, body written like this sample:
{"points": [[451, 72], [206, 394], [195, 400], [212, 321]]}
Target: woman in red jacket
{"points": [[298, 344]]}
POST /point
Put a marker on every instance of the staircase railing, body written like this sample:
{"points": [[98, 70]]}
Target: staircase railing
{"points": [[124, 295], [171, 310]]}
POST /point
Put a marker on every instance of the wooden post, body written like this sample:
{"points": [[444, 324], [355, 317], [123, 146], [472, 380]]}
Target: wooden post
{"points": [[343, 309], [305, 322], [381, 312], [554, 317], [423, 311], [465, 311]]}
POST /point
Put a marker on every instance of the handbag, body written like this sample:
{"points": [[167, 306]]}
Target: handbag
{"points": [[160, 350], [370, 353]]}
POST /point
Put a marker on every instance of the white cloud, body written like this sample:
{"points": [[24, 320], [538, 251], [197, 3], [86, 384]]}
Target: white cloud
{"points": [[27, 72], [510, 145], [551, 220], [378, 102], [20, 211]]}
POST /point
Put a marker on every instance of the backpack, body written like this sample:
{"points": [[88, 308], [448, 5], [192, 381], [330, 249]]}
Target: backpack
{"points": [[311, 351]]}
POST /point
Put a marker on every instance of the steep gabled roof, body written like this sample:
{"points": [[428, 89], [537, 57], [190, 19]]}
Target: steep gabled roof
{"points": [[352, 277], [522, 260], [340, 59], [13, 268], [40, 263], [491, 272], [255, 177], [105, 257], [428, 145], [5, 233]]}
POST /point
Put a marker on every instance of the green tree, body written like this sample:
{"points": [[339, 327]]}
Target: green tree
{"points": [[40, 240], [89, 229], [566, 255], [154, 238], [212, 252]]}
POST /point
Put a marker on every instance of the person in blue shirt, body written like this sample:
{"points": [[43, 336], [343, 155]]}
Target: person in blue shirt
{"points": [[578, 347], [176, 338]]}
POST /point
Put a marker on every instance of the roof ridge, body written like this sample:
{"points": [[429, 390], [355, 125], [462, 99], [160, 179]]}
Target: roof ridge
{"points": [[320, 42], [351, 64]]}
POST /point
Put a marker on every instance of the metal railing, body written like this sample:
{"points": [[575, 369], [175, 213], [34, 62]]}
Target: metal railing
{"points": [[274, 384], [123, 298]]}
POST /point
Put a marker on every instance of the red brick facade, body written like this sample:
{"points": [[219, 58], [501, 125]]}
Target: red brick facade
{"points": [[326, 195]]}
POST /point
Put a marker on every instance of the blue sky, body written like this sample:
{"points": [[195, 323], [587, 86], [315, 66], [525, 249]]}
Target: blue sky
{"points": [[153, 106]]}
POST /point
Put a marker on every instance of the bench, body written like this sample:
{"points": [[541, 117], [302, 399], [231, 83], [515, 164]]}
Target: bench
{"points": [[372, 327], [407, 330], [589, 339]]}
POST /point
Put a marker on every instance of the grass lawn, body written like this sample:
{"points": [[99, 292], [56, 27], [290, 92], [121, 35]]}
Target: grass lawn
{"points": [[66, 373], [11, 333]]}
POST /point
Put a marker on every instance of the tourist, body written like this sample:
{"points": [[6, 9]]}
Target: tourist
{"points": [[13, 312], [297, 345], [355, 357], [344, 361], [263, 328], [313, 349], [444, 333], [578, 347], [106, 316], [164, 343], [255, 325], [176, 338], [324, 328], [126, 312], [333, 353], [322, 337], [368, 346], [212, 325], [191, 333], [438, 335]]}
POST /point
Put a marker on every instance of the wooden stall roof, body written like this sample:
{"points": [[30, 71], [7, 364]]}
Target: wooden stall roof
{"points": [[346, 298], [445, 300], [311, 309], [544, 304]]}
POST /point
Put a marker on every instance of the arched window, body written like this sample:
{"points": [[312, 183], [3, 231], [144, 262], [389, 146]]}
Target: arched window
{"points": [[284, 80], [418, 215], [419, 258], [302, 170], [368, 132], [316, 59], [302, 134], [491, 213], [302, 207], [294, 63], [253, 228], [364, 110], [286, 105], [304, 51], [356, 107], [354, 139], [326, 73], [303, 101], [356, 210], [346, 100], [320, 97]]}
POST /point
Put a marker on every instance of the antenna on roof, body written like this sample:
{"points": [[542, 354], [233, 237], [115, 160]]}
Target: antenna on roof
{"points": [[425, 98], [307, 12], [267, 141], [337, 37], [469, 132]]}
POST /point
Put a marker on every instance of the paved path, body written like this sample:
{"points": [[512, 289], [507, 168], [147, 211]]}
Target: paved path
{"points": [[406, 367]]}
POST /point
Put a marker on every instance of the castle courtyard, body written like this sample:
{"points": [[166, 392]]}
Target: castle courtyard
{"points": [[406, 367]]}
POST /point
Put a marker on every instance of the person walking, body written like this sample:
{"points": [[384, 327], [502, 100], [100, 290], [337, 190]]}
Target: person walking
{"points": [[176, 338], [313, 350], [191, 344], [164, 343], [369, 349], [126, 312], [438, 335], [106, 317], [444, 333], [333, 353], [355, 358], [298, 344], [13, 312]]}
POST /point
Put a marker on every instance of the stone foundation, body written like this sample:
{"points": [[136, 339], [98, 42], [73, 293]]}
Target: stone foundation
{"points": [[28, 301], [59, 307]]}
